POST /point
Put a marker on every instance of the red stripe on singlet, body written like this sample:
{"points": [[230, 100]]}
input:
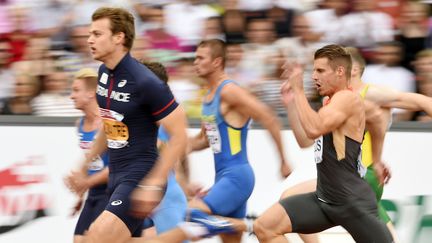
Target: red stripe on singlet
{"points": [[164, 108]]}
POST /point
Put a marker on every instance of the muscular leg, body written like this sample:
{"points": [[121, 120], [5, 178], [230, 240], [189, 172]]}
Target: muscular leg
{"points": [[78, 239], [271, 226], [375, 231], [300, 188], [303, 187], [175, 235], [378, 189], [238, 224], [298, 213], [108, 228], [199, 204]]}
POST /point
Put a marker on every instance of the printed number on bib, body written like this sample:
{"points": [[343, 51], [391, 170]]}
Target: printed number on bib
{"points": [[213, 136], [116, 131], [318, 149], [96, 165], [361, 169]]}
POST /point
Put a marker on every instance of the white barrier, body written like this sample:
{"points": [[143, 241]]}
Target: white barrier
{"points": [[34, 160]]}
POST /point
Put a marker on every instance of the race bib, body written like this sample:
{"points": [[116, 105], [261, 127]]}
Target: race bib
{"points": [[361, 169], [116, 131], [213, 136], [96, 165], [318, 149]]}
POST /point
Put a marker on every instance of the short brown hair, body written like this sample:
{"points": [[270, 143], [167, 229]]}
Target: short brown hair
{"points": [[337, 56], [158, 69], [356, 57], [121, 21], [424, 53], [217, 48]]}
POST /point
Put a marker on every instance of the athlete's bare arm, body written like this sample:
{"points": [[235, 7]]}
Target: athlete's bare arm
{"points": [[198, 142], [328, 118], [390, 98], [248, 105], [149, 192], [99, 146], [175, 125], [294, 122], [376, 124]]}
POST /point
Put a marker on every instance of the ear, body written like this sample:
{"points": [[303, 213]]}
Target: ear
{"points": [[217, 61], [91, 94], [340, 71], [119, 38]]}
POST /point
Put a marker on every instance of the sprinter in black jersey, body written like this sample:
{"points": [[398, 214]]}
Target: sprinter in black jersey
{"points": [[342, 197], [133, 103]]}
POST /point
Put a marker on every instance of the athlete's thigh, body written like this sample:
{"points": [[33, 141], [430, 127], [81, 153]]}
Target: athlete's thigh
{"points": [[108, 228], [168, 218], [119, 205], [229, 195], [78, 239], [367, 229], [93, 207], [372, 179], [300, 188], [231, 238], [172, 209], [305, 213], [274, 221]]}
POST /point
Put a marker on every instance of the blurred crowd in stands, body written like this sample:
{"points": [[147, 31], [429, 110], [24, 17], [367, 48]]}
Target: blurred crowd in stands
{"points": [[43, 42]]}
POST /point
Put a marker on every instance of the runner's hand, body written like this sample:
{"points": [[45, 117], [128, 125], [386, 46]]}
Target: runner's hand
{"points": [[77, 207], [145, 198], [383, 172], [285, 169]]}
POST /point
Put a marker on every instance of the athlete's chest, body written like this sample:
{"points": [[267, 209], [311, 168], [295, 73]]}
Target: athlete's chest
{"points": [[120, 93]]}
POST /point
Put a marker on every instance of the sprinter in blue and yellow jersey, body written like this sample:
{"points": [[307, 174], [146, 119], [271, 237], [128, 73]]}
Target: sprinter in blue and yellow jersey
{"points": [[226, 116], [94, 176]]}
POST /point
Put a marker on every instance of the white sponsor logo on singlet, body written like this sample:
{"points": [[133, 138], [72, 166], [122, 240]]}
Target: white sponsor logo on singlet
{"points": [[104, 78], [361, 169], [96, 165], [115, 95], [122, 83], [318, 149], [213, 134], [116, 202]]}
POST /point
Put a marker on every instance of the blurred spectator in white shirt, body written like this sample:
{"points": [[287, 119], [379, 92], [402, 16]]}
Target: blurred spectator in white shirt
{"points": [[54, 98], [185, 20], [327, 20], [387, 71], [365, 26], [255, 64]]}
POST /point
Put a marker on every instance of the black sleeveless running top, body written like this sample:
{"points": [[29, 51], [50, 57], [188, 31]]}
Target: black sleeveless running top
{"points": [[339, 180]]}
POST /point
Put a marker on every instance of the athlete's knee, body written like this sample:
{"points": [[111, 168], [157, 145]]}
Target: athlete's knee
{"points": [[199, 204], [262, 230], [78, 239], [95, 234]]}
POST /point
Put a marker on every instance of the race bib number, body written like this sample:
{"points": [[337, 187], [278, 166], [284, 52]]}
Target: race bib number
{"points": [[361, 169], [318, 149], [116, 131], [96, 165], [213, 136]]}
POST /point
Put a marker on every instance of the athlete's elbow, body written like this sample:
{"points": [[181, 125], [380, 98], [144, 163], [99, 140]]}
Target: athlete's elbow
{"points": [[306, 143], [313, 133]]}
